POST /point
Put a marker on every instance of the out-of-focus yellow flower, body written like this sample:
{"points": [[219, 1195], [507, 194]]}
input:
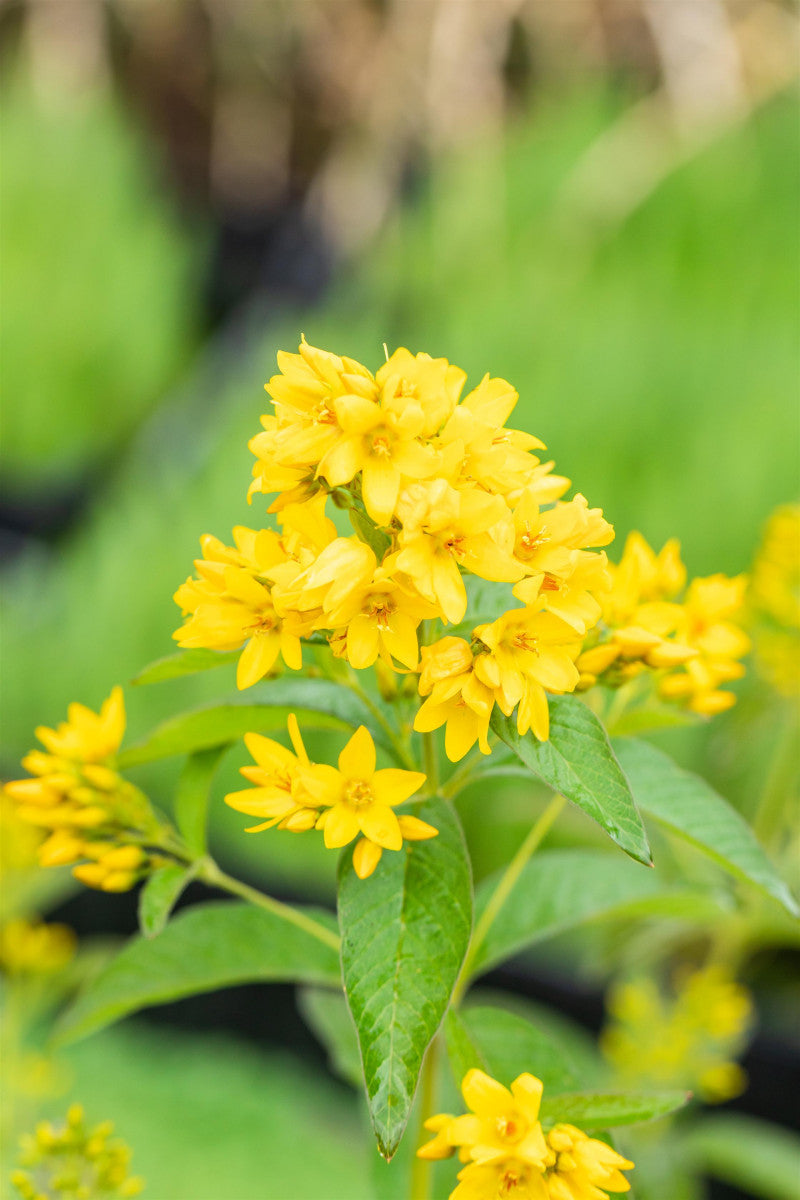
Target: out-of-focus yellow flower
{"points": [[34, 947], [75, 1162], [774, 600], [689, 1039], [293, 793], [507, 1153], [76, 794], [694, 642]]}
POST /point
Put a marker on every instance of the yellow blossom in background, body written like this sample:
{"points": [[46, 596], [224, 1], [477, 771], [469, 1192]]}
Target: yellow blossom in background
{"points": [[72, 1161], [353, 801], [35, 947], [508, 1154], [688, 1039], [774, 600], [76, 795], [693, 639]]}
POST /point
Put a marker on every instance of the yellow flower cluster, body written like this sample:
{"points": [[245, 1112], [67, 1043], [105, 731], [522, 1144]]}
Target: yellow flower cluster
{"points": [[774, 600], [508, 1154], [691, 636], [690, 1039], [438, 488], [34, 947], [353, 801], [74, 1162], [75, 794]]}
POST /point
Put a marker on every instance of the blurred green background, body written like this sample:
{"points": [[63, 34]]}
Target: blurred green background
{"points": [[598, 204]]}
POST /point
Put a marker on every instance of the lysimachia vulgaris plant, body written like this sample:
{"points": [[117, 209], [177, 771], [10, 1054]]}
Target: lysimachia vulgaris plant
{"points": [[427, 595]]}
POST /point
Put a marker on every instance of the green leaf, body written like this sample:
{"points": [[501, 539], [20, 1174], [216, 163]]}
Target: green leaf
{"points": [[688, 806], [206, 947], [192, 797], [160, 894], [185, 662], [405, 932], [578, 762], [594, 1111], [327, 1015], [559, 889], [318, 703], [368, 531], [504, 1045], [756, 1157]]}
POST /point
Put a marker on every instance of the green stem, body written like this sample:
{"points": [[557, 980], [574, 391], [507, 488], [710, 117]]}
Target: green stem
{"points": [[421, 1168], [430, 763], [211, 874], [777, 784], [503, 890], [400, 752]]}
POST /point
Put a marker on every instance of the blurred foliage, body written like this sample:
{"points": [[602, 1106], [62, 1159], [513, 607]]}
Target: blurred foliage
{"points": [[202, 1123], [100, 312]]}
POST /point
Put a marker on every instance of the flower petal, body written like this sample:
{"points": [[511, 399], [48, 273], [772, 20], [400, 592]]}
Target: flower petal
{"points": [[256, 659], [357, 760], [366, 857], [484, 1095], [392, 786], [341, 826], [379, 824]]}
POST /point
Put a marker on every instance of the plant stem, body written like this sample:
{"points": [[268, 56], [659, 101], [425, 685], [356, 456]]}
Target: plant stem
{"points": [[211, 874], [777, 784], [421, 1168], [400, 752], [430, 763], [501, 893]]}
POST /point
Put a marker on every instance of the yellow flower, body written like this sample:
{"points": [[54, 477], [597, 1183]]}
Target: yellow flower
{"points": [[33, 947], [380, 441], [279, 794], [233, 603], [74, 1161], [76, 794], [290, 790], [501, 1123], [775, 583], [360, 800], [507, 1154], [443, 530], [688, 1038], [430, 384], [582, 1168], [529, 652], [456, 699]]}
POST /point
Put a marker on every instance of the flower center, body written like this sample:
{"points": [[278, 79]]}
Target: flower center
{"points": [[358, 793], [508, 1129], [455, 545], [526, 641], [380, 611], [323, 414], [510, 1181], [549, 584], [530, 542]]}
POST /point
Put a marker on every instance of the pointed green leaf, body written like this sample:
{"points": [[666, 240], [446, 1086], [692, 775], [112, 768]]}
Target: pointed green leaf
{"points": [[327, 1015], [753, 1156], [368, 532], [652, 718], [559, 889], [192, 797], [160, 894], [206, 947], [578, 762], [405, 931], [595, 1111], [185, 662], [504, 1045], [318, 704], [688, 806]]}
